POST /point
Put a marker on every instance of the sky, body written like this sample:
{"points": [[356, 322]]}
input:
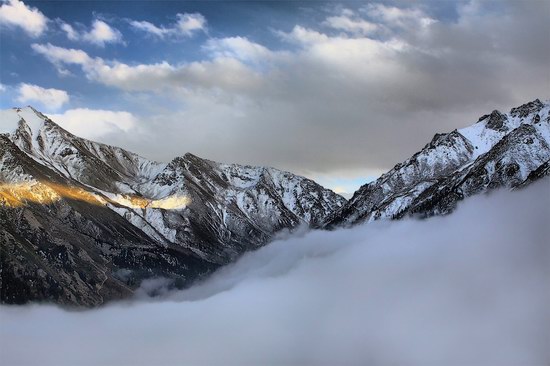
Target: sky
{"points": [[408, 292], [337, 91]]}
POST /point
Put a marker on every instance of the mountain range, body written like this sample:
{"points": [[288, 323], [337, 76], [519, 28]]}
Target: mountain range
{"points": [[83, 223]]}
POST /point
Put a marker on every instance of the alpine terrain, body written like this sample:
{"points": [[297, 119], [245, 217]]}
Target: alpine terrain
{"points": [[500, 150], [82, 223]]}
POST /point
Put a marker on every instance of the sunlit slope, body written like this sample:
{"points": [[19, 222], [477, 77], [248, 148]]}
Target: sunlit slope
{"points": [[60, 242], [122, 219]]}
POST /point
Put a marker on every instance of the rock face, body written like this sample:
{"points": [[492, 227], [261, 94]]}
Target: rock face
{"points": [[500, 150], [82, 223]]}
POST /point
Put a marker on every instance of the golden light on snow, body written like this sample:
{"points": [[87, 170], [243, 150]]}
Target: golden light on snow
{"points": [[20, 194], [176, 202], [171, 203]]}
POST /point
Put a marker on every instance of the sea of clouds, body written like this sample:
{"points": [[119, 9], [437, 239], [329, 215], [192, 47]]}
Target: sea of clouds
{"points": [[471, 288]]}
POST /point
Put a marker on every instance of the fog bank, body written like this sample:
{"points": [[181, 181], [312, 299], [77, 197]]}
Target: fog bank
{"points": [[471, 288]]}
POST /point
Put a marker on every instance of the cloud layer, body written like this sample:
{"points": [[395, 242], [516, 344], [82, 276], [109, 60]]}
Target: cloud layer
{"points": [[336, 95], [466, 289]]}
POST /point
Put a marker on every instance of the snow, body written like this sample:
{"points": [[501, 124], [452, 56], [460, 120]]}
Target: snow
{"points": [[32, 119], [396, 190], [483, 138], [9, 121]]}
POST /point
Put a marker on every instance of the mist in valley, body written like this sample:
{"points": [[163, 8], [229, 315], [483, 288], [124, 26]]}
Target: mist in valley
{"points": [[470, 288]]}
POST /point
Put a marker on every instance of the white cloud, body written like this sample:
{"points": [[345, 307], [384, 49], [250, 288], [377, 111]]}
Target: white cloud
{"points": [[470, 288], [59, 55], [239, 48], [187, 24], [190, 23], [100, 33], [51, 99], [399, 17], [94, 123], [71, 33], [227, 73], [2, 87], [348, 22], [150, 28], [303, 36], [15, 13]]}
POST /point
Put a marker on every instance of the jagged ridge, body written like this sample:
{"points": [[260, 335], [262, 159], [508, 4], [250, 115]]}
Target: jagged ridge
{"points": [[177, 220], [500, 150]]}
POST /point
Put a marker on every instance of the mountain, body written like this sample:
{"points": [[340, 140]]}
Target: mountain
{"points": [[83, 223], [500, 150]]}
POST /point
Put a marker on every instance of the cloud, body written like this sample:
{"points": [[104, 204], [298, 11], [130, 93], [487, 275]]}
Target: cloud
{"points": [[60, 57], [51, 99], [2, 87], [470, 288], [95, 123], [14, 13], [150, 28], [329, 99], [226, 73], [187, 25], [349, 23], [303, 36], [100, 33], [71, 33], [238, 48], [408, 18]]}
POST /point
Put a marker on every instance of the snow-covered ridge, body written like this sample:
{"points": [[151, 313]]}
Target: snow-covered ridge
{"points": [[192, 202], [500, 149], [86, 223], [74, 157]]}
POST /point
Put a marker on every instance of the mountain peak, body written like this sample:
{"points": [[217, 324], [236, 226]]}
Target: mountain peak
{"points": [[500, 150], [12, 118], [525, 109]]}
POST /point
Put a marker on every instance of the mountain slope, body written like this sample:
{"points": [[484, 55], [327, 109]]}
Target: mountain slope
{"points": [[118, 218], [60, 243], [500, 150]]}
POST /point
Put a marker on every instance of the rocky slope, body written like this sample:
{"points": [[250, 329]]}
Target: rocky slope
{"points": [[500, 150], [83, 223]]}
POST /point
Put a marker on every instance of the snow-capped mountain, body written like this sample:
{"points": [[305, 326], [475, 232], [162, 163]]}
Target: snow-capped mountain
{"points": [[500, 150], [83, 223], [102, 219]]}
